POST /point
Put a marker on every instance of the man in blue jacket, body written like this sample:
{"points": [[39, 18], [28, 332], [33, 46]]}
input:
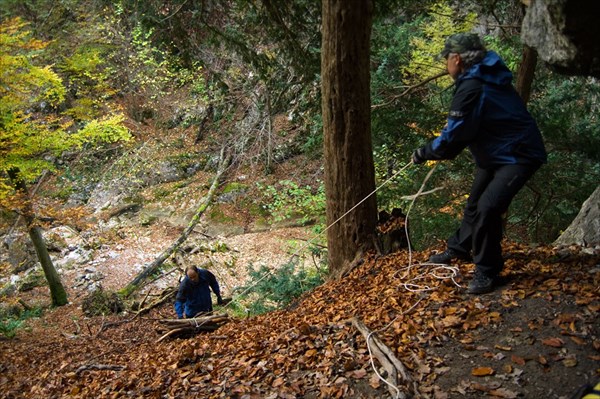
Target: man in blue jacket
{"points": [[488, 116], [193, 296]]}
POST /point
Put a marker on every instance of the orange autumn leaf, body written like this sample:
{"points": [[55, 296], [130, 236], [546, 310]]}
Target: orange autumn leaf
{"points": [[578, 341], [503, 393], [482, 371], [360, 373], [451, 321], [517, 360], [553, 342], [278, 382]]}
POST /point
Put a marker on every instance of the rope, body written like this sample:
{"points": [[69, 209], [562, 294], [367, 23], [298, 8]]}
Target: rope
{"points": [[310, 241], [447, 272], [398, 393]]}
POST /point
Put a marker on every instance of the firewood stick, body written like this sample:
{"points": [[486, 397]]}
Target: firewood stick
{"points": [[387, 359], [172, 332]]}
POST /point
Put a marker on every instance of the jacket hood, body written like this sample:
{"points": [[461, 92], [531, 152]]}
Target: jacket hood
{"points": [[491, 70]]}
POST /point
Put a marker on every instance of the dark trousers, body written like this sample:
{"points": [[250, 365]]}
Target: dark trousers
{"points": [[480, 232]]}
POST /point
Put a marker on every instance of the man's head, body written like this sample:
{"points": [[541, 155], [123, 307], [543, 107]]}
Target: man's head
{"points": [[461, 43], [192, 273], [462, 50]]}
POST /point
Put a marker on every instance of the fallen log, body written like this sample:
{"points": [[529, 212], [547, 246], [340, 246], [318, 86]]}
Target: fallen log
{"points": [[153, 266], [392, 365], [194, 325]]}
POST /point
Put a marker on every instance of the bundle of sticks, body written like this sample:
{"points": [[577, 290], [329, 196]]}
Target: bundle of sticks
{"points": [[176, 327]]}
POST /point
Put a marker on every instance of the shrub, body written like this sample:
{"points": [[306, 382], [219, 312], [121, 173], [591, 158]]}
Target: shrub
{"points": [[269, 290]]}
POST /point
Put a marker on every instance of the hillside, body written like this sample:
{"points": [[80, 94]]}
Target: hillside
{"points": [[120, 141], [537, 337]]}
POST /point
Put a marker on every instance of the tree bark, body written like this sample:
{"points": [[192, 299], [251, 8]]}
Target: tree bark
{"points": [[349, 168], [526, 72], [57, 291]]}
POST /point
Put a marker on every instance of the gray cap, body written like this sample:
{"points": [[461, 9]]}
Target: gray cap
{"points": [[462, 42]]}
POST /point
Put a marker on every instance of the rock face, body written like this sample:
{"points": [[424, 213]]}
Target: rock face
{"points": [[585, 228], [565, 34]]}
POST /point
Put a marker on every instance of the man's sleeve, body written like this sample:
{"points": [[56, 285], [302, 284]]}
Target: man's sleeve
{"points": [[180, 300], [463, 122], [214, 285]]}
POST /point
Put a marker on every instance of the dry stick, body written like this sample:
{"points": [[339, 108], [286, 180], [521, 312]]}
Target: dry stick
{"points": [[387, 359], [145, 298], [409, 89], [99, 367], [204, 323], [163, 298], [172, 332], [101, 327], [153, 266]]}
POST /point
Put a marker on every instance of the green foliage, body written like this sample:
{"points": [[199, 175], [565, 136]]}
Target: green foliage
{"points": [[11, 321], [252, 60], [567, 110], [88, 77], [508, 47], [100, 302], [31, 128], [106, 130], [288, 200], [269, 290], [442, 21]]}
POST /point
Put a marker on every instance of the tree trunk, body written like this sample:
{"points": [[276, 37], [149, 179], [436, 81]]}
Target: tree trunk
{"points": [[349, 168], [57, 291], [526, 72]]}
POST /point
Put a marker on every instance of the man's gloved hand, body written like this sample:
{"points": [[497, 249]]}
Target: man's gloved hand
{"points": [[219, 300], [419, 156]]}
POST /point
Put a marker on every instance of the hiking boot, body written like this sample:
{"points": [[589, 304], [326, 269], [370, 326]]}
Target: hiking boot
{"points": [[480, 284], [446, 256]]}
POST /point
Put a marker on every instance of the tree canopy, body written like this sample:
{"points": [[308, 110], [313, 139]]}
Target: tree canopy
{"points": [[241, 67], [34, 130]]}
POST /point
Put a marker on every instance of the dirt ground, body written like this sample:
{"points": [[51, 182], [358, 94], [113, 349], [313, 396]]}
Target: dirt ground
{"points": [[538, 336]]}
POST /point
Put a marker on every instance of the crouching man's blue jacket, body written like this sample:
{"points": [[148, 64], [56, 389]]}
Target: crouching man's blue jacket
{"points": [[489, 117], [193, 298]]}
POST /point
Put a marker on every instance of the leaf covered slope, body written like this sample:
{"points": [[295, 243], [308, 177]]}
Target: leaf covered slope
{"points": [[536, 337]]}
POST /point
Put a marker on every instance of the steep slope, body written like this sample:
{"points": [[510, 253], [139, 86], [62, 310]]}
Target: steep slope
{"points": [[537, 337]]}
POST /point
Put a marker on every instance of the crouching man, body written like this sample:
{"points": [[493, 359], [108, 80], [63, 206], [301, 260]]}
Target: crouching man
{"points": [[193, 296]]}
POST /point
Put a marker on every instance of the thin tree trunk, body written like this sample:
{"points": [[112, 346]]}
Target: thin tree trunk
{"points": [[57, 291], [526, 73], [349, 168], [155, 265]]}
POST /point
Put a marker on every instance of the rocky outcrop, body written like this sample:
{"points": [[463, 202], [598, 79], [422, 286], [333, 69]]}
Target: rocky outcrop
{"points": [[585, 229], [565, 34]]}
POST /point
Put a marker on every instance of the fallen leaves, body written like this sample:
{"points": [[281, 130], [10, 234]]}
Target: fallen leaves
{"points": [[482, 371], [517, 360], [311, 351], [553, 342]]}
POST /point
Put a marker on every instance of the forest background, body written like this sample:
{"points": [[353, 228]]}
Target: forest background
{"points": [[139, 97], [116, 116]]}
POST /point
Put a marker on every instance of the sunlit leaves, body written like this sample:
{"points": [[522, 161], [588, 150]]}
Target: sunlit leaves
{"points": [[106, 130], [443, 21], [32, 130]]}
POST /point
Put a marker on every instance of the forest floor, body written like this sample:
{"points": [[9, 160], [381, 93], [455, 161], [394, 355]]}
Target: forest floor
{"points": [[538, 336]]}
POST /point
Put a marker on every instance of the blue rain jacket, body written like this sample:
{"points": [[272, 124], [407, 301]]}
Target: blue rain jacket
{"points": [[193, 298], [488, 116]]}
